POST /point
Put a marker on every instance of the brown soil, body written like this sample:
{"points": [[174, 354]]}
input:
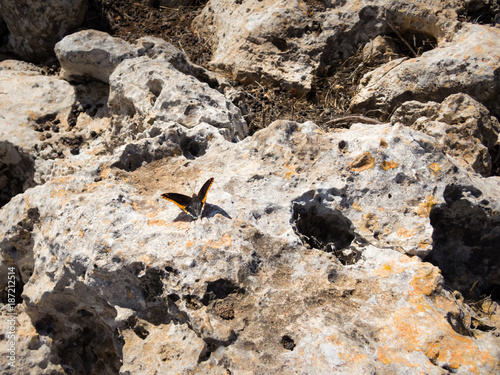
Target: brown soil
{"points": [[261, 105]]}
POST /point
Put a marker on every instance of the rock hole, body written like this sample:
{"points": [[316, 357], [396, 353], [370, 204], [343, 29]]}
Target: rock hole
{"points": [[481, 12], [220, 289], [323, 228], [465, 242], [16, 172], [211, 345], [412, 43], [287, 342], [193, 147]]}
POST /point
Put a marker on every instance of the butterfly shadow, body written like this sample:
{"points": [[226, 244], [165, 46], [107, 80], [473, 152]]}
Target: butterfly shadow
{"points": [[210, 211]]}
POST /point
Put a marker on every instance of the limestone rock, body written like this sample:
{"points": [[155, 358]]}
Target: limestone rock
{"points": [[463, 126], [28, 98], [288, 42], [468, 64], [154, 90], [298, 264], [91, 55], [35, 27]]}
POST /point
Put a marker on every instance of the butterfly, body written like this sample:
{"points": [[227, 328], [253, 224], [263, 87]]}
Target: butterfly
{"points": [[194, 205]]}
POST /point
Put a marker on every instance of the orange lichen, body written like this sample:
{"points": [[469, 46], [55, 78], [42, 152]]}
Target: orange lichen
{"points": [[383, 143], [426, 280], [189, 243], [291, 172], [386, 165], [387, 269], [434, 167], [424, 208], [357, 207], [226, 240], [405, 233], [363, 162]]}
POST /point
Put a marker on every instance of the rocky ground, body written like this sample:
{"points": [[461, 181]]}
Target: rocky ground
{"points": [[353, 225]]}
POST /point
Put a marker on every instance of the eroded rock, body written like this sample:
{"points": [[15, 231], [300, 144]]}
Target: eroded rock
{"points": [[242, 289], [34, 28], [463, 126], [468, 64]]}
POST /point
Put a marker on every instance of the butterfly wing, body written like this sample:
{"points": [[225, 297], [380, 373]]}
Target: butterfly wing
{"points": [[204, 190], [182, 201]]}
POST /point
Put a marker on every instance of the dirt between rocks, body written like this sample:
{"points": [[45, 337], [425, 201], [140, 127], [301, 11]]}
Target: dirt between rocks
{"points": [[261, 105]]}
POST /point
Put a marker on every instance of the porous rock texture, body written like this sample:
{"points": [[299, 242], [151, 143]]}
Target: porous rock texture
{"points": [[36, 26], [469, 64], [289, 42], [369, 249]]}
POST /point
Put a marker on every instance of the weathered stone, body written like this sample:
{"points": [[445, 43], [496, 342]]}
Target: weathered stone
{"points": [[154, 90], [28, 97], [35, 27], [94, 55], [469, 64], [380, 50], [299, 238], [288, 42], [464, 128], [91, 55]]}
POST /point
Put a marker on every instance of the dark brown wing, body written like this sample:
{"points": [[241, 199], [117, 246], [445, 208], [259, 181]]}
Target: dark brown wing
{"points": [[204, 190], [182, 201]]}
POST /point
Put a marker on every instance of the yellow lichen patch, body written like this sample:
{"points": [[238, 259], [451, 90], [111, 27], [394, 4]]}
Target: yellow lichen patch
{"points": [[383, 143], [105, 171], [189, 243], [388, 355], [357, 207], [146, 259], [291, 172], [405, 233], [381, 209], [387, 164], [424, 208], [426, 279], [430, 334], [387, 269], [362, 162], [80, 233], [226, 240], [424, 244], [434, 167], [370, 224]]}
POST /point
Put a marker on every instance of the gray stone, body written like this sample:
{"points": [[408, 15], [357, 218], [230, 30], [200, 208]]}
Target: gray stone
{"points": [[153, 90], [35, 27], [91, 55], [288, 42], [468, 64], [298, 264], [464, 128]]}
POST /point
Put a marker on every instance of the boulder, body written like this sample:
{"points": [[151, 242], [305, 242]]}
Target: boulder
{"points": [[29, 98], [153, 90], [91, 55], [35, 27], [468, 64], [302, 261], [464, 128], [289, 42]]}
